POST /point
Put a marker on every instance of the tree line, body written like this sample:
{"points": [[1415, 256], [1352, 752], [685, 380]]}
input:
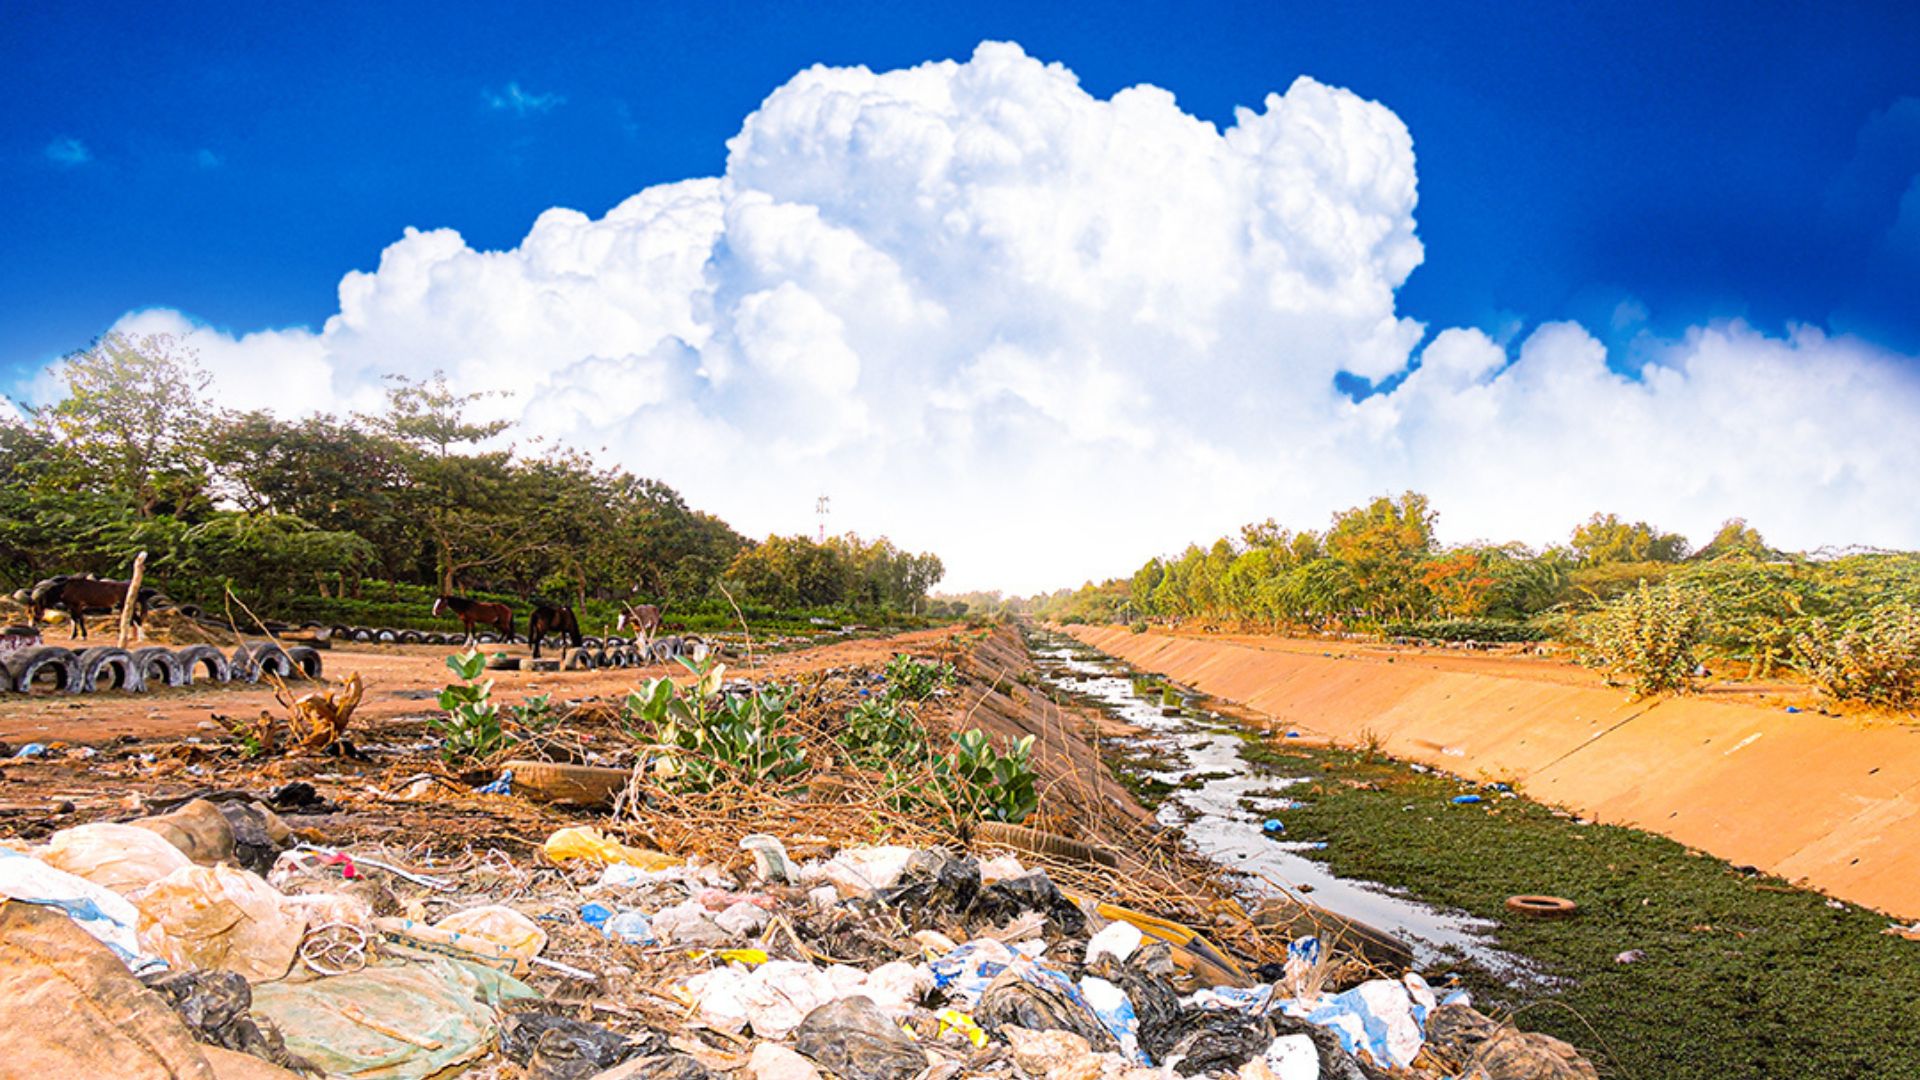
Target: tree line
{"points": [[136, 456], [1379, 568]]}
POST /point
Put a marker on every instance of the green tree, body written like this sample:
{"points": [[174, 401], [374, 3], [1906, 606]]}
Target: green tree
{"points": [[133, 419], [1607, 539], [1383, 544]]}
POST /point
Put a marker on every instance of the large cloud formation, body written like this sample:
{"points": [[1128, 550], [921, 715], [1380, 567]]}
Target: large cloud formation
{"points": [[1046, 335]]}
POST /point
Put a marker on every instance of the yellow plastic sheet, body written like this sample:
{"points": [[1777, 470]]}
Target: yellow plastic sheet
{"points": [[586, 842]]}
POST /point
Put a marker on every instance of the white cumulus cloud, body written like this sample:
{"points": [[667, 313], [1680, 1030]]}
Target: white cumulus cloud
{"points": [[1047, 335]]}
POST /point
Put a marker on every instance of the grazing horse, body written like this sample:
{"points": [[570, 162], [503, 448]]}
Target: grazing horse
{"points": [[473, 613], [549, 617], [79, 597], [644, 619]]}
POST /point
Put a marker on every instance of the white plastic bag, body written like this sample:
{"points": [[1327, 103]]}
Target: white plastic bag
{"points": [[219, 917], [118, 857]]}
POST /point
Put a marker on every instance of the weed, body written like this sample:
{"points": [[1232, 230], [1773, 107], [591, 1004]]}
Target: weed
{"points": [[911, 680], [470, 729], [703, 737], [536, 715], [1877, 662], [881, 731], [986, 784], [1646, 638]]}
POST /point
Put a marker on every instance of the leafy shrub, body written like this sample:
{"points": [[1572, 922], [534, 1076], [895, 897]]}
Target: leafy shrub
{"points": [[1465, 630], [536, 714], [882, 731], [470, 731], [910, 680], [1138, 626], [985, 784], [1877, 661], [1646, 638], [704, 737]]}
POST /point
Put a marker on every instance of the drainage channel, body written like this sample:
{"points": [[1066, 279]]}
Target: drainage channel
{"points": [[1222, 801]]}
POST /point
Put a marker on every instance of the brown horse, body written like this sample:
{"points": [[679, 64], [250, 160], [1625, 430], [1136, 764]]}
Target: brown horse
{"points": [[79, 597], [643, 619], [550, 618], [473, 613]]}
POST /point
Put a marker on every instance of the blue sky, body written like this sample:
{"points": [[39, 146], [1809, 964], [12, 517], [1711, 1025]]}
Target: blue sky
{"points": [[1159, 247], [233, 161]]}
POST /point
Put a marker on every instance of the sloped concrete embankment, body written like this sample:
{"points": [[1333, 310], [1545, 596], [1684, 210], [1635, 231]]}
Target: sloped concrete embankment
{"points": [[1825, 801]]}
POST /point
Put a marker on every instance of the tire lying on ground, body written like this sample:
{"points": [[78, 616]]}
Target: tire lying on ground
{"points": [[340, 632], [160, 667], [592, 643], [412, 637], [601, 659], [614, 658], [386, 637], [574, 785], [108, 667], [488, 638], [360, 633], [196, 660], [577, 660], [25, 666]]}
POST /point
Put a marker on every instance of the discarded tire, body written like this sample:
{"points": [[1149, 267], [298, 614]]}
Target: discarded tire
{"points": [[665, 650], [592, 643], [412, 637], [340, 632], [160, 667], [108, 667], [578, 660], [386, 637], [601, 659], [198, 660], [575, 785], [488, 639], [305, 660], [634, 659], [189, 611], [26, 666], [360, 633], [1542, 907], [615, 658], [1051, 845]]}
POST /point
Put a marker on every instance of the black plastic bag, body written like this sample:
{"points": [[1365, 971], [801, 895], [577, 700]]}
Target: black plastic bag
{"points": [[1004, 901], [1217, 1041], [560, 1048], [853, 1039], [1041, 1005], [217, 1007]]}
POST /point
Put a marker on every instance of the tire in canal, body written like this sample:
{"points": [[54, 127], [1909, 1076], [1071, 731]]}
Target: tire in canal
{"points": [[1542, 907]]}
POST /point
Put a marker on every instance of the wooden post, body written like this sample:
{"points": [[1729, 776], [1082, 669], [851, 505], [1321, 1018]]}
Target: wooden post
{"points": [[133, 597]]}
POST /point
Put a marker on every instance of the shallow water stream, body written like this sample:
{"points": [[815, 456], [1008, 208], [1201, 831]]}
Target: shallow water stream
{"points": [[1221, 800]]}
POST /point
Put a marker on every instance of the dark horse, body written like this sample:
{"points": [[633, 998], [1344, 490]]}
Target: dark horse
{"points": [[80, 597], [550, 618], [473, 613]]}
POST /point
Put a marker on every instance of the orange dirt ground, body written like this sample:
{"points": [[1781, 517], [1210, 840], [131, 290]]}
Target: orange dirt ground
{"points": [[1829, 801], [400, 680]]}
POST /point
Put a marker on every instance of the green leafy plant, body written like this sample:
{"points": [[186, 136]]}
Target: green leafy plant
{"points": [[985, 784], [1876, 662], [1646, 639], [536, 714], [702, 737], [470, 729], [882, 731], [911, 680]]}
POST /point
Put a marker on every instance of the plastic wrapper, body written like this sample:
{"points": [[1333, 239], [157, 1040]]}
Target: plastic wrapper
{"points": [[118, 857], [219, 917]]}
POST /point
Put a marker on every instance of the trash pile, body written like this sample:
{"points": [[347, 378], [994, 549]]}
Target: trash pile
{"points": [[351, 915], [211, 931]]}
